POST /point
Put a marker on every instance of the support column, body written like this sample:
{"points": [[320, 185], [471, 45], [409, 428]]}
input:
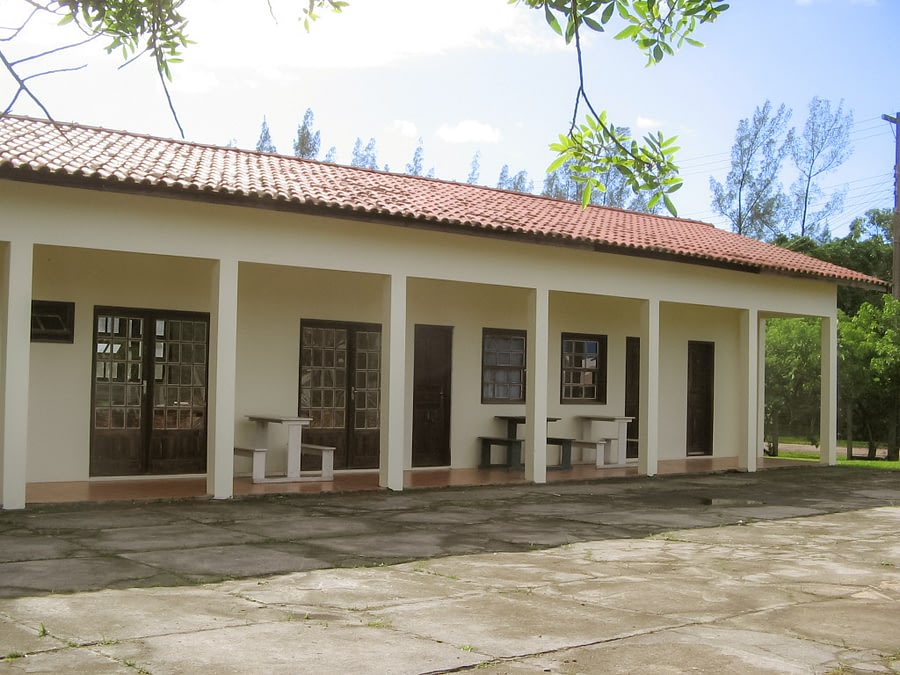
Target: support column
{"points": [[761, 385], [222, 379], [828, 400], [393, 385], [648, 448], [750, 355], [536, 385], [16, 263]]}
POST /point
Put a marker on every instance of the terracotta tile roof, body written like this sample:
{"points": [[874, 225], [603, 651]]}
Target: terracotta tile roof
{"points": [[32, 149]]}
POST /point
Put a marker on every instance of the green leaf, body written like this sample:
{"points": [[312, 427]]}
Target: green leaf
{"points": [[628, 32], [558, 162], [670, 206], [593, 24], [607, 13], [586, 194], [551, 20]]}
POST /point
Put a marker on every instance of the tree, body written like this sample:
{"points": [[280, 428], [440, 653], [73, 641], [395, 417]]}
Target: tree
{"points": [[308, 141], [656, 27], [265, 144], [331, 155], [792, 378], [822, 147], [474, 169], [751, 197], [870, 353], [866, 248], [565, 183], [364, 158], [416, 166], [517, 183]]}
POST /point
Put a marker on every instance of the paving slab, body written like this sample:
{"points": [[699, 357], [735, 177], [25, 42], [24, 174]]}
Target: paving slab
{"points": [[668, 575]]}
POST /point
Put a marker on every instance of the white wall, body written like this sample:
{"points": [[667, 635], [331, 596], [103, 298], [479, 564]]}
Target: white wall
{"points": [[295, 266], [61, 378]]}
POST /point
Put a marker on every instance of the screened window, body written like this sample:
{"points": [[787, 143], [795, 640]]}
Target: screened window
{"points": [[503, 366], [583, 369]]}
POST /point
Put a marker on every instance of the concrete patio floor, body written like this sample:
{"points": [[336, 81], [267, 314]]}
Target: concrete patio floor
{"points": [[782, 571]]}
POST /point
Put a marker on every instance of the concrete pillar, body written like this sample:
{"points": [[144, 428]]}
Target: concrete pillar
{"points": [[749, 350], [536, 385], [761, 385], [648, 448], [393, 385], [222, 379], [828, 400], [16, 264]]}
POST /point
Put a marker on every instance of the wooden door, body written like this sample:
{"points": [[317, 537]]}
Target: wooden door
{"points": [[633, 392], [340, 389], [700, 388], [148, 393], [432, 370]]}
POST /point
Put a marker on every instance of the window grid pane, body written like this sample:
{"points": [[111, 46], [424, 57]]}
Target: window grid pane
{"points": [[503, 366], [583, 369], [323, 368]]}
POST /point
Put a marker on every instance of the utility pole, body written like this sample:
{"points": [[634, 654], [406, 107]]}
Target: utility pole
{"points": [[895, 120]]}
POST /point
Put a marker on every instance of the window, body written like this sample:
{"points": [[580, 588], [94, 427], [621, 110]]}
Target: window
{"points": [[52, 321], [503, 366], [583, 371]]}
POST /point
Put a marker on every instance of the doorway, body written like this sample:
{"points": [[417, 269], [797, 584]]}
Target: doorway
{"points": [[148, 392], [633, 393], [700, 388], [432, 370], [340, 389]]}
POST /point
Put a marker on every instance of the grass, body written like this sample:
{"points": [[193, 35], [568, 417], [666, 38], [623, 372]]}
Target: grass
{"points": [[882, 464]]}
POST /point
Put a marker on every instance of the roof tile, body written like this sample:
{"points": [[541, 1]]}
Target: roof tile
{"points": [[56, 151]]}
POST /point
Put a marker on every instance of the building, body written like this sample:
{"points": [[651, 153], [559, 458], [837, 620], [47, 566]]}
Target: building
{"points": [[156, 293]]}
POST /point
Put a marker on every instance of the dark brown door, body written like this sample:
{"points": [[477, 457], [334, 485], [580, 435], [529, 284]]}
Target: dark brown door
{"points": [[431, 396], [340, 389], [149, 392], [701, 383], [632, 392]]}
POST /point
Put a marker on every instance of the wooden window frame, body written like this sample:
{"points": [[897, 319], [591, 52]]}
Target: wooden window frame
{"points": [[46, 312], [489, 370], [599, 371]]}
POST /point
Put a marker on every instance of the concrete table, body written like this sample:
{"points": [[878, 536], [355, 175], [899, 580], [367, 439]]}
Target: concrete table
{"points": [[587, 423], [295, 429]]}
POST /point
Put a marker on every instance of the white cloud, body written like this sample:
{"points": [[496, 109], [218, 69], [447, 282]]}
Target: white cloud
{"points": [[647, 123], [405, 128], [365, 35], [469, 131]]}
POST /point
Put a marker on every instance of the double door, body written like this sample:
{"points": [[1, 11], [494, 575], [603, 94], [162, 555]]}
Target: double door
{"points": [[340, 389], [148, 392]]}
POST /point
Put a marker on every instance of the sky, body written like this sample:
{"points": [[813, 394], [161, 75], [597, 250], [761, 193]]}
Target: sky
{"points": [[490, 77]]}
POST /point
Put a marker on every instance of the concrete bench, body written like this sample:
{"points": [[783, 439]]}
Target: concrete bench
{"points": [[258, 457], [599, 446], [565, 445], [513, 452]]}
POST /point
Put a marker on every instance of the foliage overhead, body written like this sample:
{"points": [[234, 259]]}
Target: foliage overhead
{"points": [[658, 28], [595, 146]]}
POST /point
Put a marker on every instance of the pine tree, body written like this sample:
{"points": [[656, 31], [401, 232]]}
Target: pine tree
{"points": [[475, 169], [308, 141], [364, 158], [265, 144], [417, 165]]}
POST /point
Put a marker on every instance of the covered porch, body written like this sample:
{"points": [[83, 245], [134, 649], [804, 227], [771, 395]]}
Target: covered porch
{"points": [[161, 489]]}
